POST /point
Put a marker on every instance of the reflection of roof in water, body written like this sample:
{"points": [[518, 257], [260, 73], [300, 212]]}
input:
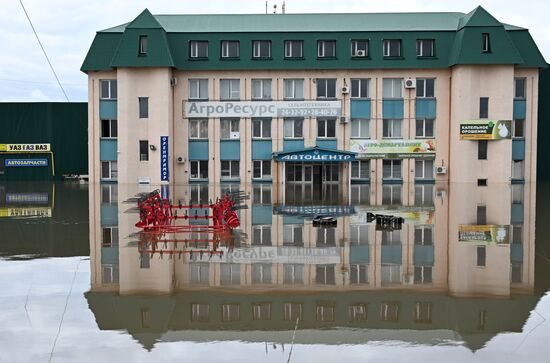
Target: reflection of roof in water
{"points": [[451, 320]]}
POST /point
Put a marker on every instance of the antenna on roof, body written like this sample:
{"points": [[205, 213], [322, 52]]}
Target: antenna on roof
{"points": [[275, 9], [266, 8], [283, 8]]}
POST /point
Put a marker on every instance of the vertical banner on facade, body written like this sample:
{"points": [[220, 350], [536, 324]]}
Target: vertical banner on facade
{"points": [[164, 174]]}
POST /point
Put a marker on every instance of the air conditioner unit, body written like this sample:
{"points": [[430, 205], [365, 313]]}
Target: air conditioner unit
{"points": [[234, 135], [360, 53], [410, 83], [441, 193], [345, 90], [180, 160], [344, 120], [441, 170], [173, 81]]}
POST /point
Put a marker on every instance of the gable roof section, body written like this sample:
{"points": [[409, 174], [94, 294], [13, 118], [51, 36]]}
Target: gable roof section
{"points": [[478, 17]]}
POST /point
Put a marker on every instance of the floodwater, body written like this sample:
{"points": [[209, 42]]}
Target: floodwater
{"points": [[465, 278]]}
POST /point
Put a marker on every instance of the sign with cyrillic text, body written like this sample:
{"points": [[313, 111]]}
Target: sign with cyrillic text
{"points": [[249, 109]]}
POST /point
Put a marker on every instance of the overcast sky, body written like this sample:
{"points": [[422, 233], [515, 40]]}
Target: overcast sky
{"points": [[67, 28]]}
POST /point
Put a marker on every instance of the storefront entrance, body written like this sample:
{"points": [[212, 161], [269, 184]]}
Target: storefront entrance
{"points": [[312, 173]]}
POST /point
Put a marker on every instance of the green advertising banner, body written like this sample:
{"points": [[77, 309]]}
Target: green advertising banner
{"points": [[397, 149], [485, 130], [484, 234]]}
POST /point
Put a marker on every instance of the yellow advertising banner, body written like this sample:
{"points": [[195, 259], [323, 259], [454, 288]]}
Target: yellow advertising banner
{"points": [[37, 212], [371, 149], [484, 234], [25, 148]]}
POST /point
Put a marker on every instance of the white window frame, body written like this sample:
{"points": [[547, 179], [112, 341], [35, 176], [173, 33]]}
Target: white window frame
{"points": [[113, 236], [425, 128], [357, 128], [257, 49], [355, 47], [328, 273], [113, 172], [231, 312], [361, 273], [258, 312], [485, 42], [293, 85], [359, 234], [422, 86], [233, 89], [201, 86], [262, 164], [201, 270], [293, 121], [289, 47], [143, 157], [394, 86], [393, 174], [423, 168], [265, 275], [263, 86], [265, 232], [326, 82], [289, 314], [233, 126], [420, 47], [387, 47], [145, 102], [524, 80], [232, 165], [361, 166], [293, 230], [323, 128], [394, 128], [321, 48], [424, 194], [423, 275], [363, 84], [109, 193], [194, 48], [264, 126], [113, 125], [199, 169], [358, 312], [143, 44], [518, 169], [200, 312], [360, 194], [202, 129], [225, 48], [112, 89], [395, 193], [425, 230]]}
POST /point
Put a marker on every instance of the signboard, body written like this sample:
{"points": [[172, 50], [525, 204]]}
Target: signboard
{"points": [[263, 109], [27, 198], [412, 215], [164, 174], [38, 212], [25, 148], [316, 155], [314, 256], [485, 130], [484, 234], [314, 210], [25, 162], [398, 149]]}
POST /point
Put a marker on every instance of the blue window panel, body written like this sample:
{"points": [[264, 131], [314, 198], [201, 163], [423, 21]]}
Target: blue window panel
{"points": [[293, 145], [293, 220], [518, 149], [107, 150], [392, 254], [109, 255], [425, 108], [423, 255], [519, 109], [517, 213], [198, 150], [230, 150], [109, 215], [327, 144], [262, 150], [360, 109], [359, 254], [392, 109], [516, 253], [261, 213], [107, 109]]}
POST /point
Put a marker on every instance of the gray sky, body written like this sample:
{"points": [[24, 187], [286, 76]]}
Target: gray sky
{"points": [[67, 28]]}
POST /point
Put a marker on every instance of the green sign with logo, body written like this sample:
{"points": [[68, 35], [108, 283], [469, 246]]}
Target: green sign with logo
{"points": [[485, 130]]}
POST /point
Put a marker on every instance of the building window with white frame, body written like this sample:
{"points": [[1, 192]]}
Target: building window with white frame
{"points": [[423, 274], [261, 128], [230, 273], [326, 88], [107, 89], [325, 274], [326, 128], [198, 128], [294, 48], [392, 47], [425, 48], [230, 169], [294, 128], [109, 274], [261, 311], [423, 312], [485, 43], [261, 89], [425, 87], [143, 103], [143, 150], [392, 169], [392, 194], [360, 194], [109, 129], [198, 49], [293, 311], [261, 235], [230, 49], [109, 194], [143, 43], [360, 169], [360, 88], [359, 274], [359, 48], [360, 128], [198, 192], [109, 236], [293, 89], [261, 193], [519, 88], [392, 88], [293, 274], [390, 274], [517, 194], [424, 169], [357, 312], [230, 89], [425, 128], [231, 312], [326, 48], [358, 234], [392, 128], [325, 312], [326, 237], [261, 273], [518, 169], [198, 89], [261, 169], [423, 235], [199, 273], [261, 49], [293, 235], [109, 170], [229, 129], [199, 169]]}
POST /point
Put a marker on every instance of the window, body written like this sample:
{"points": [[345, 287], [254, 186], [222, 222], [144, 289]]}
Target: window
{"points": [[390, 274], [359, 48], [424, 169], [425, 87], [261, 273], [389, 311], [424, 195], [326, 128], [359, 234], [359, 274], [423, 312], [109, 273], [423, 274], [425, 128], [198, 128], [143, 107], [484, 107], [519, 88], [293, 235], [391, 194], [485, 43], [142, 45], [230, 49], [391, 129], [199, 169], [326, 237], [261, 128], [482, 182], [423, 235], [109, 128], [326, 48], [324, 274], [392, 87], [108, 89], [391, 169], [481, 215], [261, 193], [261, 311], [294, 48], [109, 237], [517, 169], [481, 256], [144, 260], [326, 88], [261, 49], [143, 150], [293, 274], [261, 235], [360, 128], [230, 273], [292, 311], [517, 234], [200, 312], [198, 49], [294, 89], [357, 312], [360, 88], [293, 128], [230, 89], [109, 194], [482, 150], [230, 169], [425, 47], [109, 170], [261, 89], [261, 169], [392, 47], [517, 193], [360, 169], [518, 128], [198, 89], [231, 312], [198, 193], [325, 312], [229, 128], [199, 273]]}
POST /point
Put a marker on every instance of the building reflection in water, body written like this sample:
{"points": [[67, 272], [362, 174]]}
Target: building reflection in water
{"points": [[461, 269]]}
